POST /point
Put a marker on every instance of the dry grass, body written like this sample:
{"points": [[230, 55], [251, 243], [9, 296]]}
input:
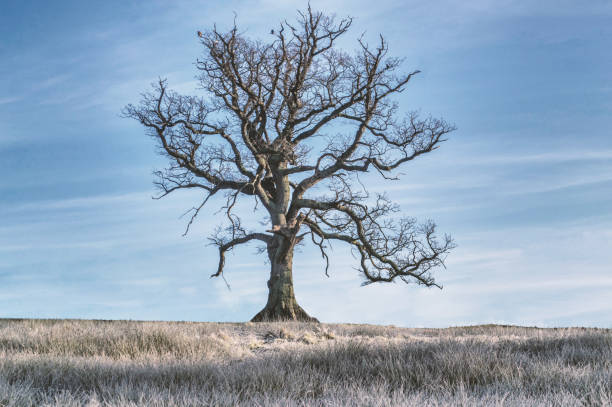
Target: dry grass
{"points": [[110, 363]]}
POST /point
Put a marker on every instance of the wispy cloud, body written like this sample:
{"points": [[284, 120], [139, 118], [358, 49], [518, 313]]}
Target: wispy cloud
{"points": [[542, 158], [82, 202], [145, 282], [551, 185], [541, 286], [118, 304], [50, 82], [8, 100]]}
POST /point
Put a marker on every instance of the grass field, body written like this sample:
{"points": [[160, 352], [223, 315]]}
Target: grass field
{"points": [[126, 363]]}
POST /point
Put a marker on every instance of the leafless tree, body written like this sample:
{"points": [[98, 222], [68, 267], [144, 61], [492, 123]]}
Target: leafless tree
{"points": [[291, 123]]}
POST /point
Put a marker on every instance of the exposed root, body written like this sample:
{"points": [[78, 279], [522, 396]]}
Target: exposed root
{"points": [[283, 312]]}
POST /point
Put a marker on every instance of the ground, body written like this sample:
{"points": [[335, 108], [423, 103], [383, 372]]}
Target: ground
{"points": [[130, 363]]}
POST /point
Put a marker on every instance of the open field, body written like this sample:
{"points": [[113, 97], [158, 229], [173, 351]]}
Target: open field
{"points": [[73, 362]]}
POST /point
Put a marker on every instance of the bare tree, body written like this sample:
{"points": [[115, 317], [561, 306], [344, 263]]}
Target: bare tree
{"points": [[264, 130]]}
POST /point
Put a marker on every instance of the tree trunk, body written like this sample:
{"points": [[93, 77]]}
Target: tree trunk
{"points": [[282, 305]]}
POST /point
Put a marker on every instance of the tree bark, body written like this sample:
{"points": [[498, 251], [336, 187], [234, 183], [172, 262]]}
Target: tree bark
{"points": [[281, 305]]}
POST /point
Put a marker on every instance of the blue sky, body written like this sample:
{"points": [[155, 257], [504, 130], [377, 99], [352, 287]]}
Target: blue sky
{"points": [[524, 185]]}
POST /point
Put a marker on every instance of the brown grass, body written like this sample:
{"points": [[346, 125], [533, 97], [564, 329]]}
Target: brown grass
{"points": [[127, 363]]}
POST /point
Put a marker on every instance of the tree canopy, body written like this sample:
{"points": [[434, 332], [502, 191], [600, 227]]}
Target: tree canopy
{"points": [[291, 123]]}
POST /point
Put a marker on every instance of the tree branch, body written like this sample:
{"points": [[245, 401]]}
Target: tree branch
{"points": [[226, 246]]}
